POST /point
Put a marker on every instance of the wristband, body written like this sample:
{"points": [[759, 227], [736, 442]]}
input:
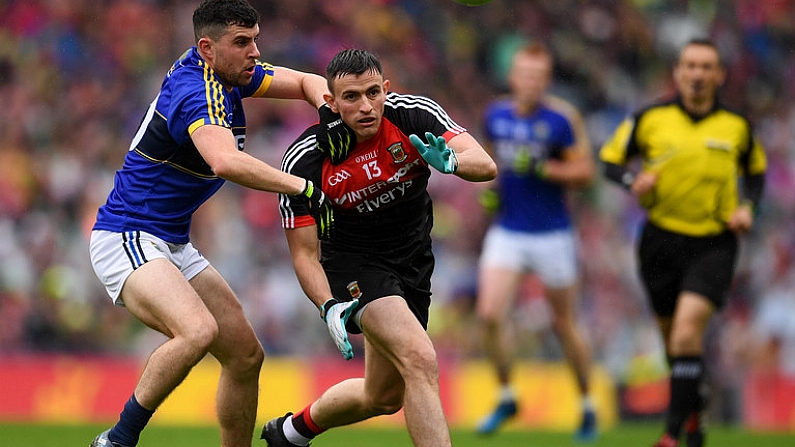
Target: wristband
{"points": [[308, 188], [627, 179]]}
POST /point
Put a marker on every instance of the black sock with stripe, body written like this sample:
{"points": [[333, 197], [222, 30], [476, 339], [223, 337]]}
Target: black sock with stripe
{"points": [[687, 373]]}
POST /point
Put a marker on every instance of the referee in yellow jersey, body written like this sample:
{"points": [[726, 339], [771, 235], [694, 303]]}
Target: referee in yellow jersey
{"points": [[701, 177]]}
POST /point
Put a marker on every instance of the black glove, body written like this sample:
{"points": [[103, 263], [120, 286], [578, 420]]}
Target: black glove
{"points": [[334, 137], [320, 209]]}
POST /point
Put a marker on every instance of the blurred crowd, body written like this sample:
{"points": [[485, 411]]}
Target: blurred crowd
{"points": [[77, 75]]}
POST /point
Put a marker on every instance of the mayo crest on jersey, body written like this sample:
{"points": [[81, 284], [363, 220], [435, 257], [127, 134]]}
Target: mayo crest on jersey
{"points": [[528, 203], [379, 191], [164, 179]]}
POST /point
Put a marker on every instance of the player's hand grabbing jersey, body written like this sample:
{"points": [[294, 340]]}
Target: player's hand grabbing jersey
{"points": [[379, 194], [164, 179]]}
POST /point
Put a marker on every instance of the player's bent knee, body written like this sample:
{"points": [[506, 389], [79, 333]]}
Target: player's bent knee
{"points": [[386, 404], [202, 335], [251, 360], [388, 409], [489, 321], [245, 356], [421, 364]]}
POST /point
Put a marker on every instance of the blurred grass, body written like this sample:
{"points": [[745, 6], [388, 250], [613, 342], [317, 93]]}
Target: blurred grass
{"points": [[640, 434]]}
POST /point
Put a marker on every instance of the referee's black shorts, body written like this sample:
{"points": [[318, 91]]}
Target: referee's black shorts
{"points": [[369, 277], [671, 263]]}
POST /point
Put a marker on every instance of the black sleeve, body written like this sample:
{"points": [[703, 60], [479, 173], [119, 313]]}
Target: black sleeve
{"points": [[414, 114], [753, 186], [619, 174], [301, 159]]}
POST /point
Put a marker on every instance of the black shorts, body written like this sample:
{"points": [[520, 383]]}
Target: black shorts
{"points": [[671, 263], [369, 277]]}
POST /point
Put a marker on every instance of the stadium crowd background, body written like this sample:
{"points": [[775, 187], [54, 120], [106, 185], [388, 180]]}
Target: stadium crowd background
{"points": [[76, 75]]}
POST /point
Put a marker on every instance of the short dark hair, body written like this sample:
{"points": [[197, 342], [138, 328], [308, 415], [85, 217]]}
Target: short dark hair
{"points": [[704, 42], [352, 61], [213, 17]]}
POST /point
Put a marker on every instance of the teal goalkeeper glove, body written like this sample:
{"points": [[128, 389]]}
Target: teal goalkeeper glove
{"points": [[336, 315], [436, 152]]}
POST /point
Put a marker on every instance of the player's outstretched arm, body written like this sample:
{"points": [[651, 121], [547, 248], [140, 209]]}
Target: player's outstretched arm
{"points": [[435, 152], [474, 163], [217, 146], [293, 84]]}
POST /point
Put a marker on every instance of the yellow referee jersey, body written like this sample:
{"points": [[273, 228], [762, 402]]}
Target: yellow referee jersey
{"points": [[698, 162]]}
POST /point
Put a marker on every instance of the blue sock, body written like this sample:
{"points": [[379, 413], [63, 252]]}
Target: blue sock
{"points": [[132, 421]]}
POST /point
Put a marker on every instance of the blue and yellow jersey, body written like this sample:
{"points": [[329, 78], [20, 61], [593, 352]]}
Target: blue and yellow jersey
{"points": [[698, 161], [528, 203], [164, 179]]}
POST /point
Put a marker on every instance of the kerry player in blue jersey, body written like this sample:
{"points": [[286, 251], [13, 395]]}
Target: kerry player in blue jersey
{"points": [[541, 149], [190, 141]]}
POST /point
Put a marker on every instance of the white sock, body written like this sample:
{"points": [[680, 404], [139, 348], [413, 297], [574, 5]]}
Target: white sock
{"points": [[292, 434], [507, 394], [587, 403]]}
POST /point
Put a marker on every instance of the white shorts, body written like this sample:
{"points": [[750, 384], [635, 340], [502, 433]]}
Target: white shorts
{"points": [[551, 255], [114, 256]]}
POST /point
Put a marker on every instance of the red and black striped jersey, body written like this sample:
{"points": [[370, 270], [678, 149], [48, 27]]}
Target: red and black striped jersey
{"points": [[379, 191]]}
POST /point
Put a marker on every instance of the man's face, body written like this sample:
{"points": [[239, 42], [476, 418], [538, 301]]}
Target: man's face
{"points": [[529, 77], [359, 99], [698, 74], [234, 56]]}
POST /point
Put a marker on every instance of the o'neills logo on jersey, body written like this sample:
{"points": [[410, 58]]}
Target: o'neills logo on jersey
{"points": [[354, 290], [398, 154]]}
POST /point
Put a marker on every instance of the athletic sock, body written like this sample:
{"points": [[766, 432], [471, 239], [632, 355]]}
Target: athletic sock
{"points": [[587, 403], [300, 429], [507, 394], [686, 377], [132, 421]]}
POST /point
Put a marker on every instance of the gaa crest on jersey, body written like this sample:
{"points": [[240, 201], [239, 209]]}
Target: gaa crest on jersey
{"points": [[541, 130], [354, 290], [398, 154]]}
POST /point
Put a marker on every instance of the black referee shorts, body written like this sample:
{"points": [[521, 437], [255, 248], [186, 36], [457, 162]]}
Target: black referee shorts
{"points": [[671, 263], [369, 277]]}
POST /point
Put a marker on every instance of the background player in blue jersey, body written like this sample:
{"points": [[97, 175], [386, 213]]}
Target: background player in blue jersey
{"points": [[540, 147], [376, 265], [190, 141]]}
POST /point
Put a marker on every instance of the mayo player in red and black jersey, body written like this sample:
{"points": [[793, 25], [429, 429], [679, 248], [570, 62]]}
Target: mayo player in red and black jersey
{"points": [[375, 265]]}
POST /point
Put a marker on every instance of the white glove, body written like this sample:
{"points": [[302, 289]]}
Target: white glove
{"points": [[336, 315]]}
